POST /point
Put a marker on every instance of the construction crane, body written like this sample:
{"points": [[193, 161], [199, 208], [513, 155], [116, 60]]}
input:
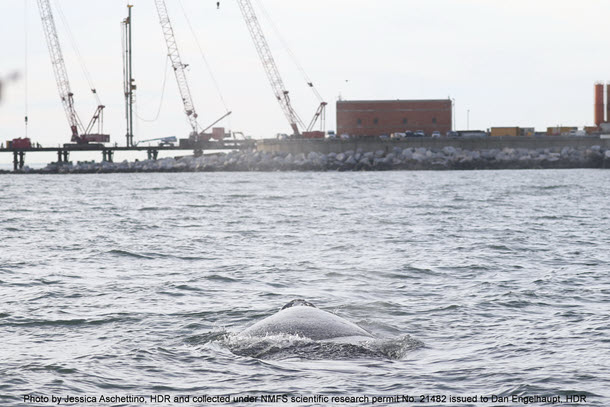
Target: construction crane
{"points": [[273, 74], [180, 73], [80, 134]]}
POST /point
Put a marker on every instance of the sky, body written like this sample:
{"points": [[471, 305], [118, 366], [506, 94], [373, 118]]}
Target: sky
{"points": [[528, 63]]}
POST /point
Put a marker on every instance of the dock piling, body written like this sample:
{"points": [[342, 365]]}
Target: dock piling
{"points": [[18, 160], [152, 153], [107, 155], [62, 156]]}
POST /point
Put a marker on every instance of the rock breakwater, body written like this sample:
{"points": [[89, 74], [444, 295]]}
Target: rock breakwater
{"points": [[446, 158]]}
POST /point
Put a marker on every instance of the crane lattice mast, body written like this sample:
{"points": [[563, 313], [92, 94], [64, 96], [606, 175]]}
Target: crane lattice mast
{"points": [[178, 66], [80, 134], [268, 62], [59, 68]]}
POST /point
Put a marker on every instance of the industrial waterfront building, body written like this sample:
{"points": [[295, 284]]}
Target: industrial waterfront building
{"points": [[384, 117], [599, 104]]}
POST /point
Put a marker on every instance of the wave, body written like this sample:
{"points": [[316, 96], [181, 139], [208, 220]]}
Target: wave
{"points": [[64, 322], [125, 253], [284, 346]]}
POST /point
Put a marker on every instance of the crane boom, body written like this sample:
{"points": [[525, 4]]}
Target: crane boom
{"points": [[59, 68], [177, 65], [260, 42], [80, 134]]}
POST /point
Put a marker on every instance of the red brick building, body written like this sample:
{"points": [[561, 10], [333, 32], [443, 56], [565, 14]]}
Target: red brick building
{"points": [[383, 117]]}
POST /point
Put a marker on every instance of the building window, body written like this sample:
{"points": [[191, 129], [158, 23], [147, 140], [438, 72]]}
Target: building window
{"points": [[404, 121], [434, 120], [375, 121], [359, 122]]}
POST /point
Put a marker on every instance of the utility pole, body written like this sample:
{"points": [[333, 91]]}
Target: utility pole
{"points": [[128, 81]]}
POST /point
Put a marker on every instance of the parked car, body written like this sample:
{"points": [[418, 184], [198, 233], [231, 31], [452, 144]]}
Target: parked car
{"points": [[408, 133], [452, 134], [420, 133], [397, 136], [436, 134], [344, 137]]}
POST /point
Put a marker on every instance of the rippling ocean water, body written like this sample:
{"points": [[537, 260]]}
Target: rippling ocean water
{"points": [[485, 283]]}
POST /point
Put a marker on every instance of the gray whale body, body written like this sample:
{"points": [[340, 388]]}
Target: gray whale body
{"points": [[302, 318]]}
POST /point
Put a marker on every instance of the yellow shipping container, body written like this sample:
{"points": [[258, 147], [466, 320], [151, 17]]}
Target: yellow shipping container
{"points": [[591, 129], [557, 131], [505, 131]]}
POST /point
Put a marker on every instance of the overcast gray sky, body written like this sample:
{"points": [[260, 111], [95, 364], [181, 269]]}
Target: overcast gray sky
{"points": [[511, 63]]}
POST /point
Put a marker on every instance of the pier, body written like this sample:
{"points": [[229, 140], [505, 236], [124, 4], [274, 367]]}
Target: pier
{"points": [[107, 152], [326, 146]]}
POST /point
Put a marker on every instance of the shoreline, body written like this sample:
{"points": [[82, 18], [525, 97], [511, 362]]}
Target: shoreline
{"points": [[447, 158]]}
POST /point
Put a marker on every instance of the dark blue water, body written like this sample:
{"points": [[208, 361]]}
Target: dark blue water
{"points": [[479, 283]]}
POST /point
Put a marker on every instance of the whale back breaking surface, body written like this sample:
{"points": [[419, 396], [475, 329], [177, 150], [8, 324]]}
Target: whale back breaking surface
{"points": [[300, 330], [307, 322]]}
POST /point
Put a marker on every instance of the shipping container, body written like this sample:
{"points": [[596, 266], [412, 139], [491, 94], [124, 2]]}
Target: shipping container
{"points": [[591, 129], [218, 133], [560, 131], [527, 131], [21, 143], [505, 131], [313, 134]]}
